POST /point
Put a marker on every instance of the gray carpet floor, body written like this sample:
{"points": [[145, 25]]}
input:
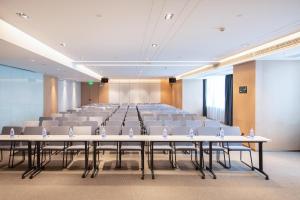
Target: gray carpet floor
{"points": [[181, 183]]}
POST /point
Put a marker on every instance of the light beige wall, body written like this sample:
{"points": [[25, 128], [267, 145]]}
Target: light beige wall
{"points": [[192, 95], [277, 103]]}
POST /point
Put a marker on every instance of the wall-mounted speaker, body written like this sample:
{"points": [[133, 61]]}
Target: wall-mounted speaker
{"points": [[172, 80], [104, 80]]}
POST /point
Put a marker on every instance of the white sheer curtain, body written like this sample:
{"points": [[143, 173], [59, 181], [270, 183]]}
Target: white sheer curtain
{"points": [[215, 97]]}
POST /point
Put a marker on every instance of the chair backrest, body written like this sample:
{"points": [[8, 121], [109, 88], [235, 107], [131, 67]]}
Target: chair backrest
{"points": [[114, 123], [157, 130], [153, 123], [93, 124], [132, 123], [173, 123], [6, 130], [231, 131], [149, 118], [180, 130], [78, 119], [41, 119], [82, 130], [55, 115], [163, 117], [193, 123], [33, 130], [212, 123], [48, 123], [112, 130], [188, 116], [177, 116], [69, 123], [31, 123], [59, 130], [209, 131], [97, 119], [136, 130]]}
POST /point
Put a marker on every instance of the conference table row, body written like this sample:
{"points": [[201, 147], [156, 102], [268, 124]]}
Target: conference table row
{"points": [[151, 140]]}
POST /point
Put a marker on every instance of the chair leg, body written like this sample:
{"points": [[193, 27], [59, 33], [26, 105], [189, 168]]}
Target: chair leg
{"points": [[1, 155], [252, 168], [229, 160]]}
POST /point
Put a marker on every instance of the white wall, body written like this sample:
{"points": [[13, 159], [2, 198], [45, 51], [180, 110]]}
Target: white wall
{"points": [[69, 95], [21, 96], [277, 103], [134, 91], [192, 95]]}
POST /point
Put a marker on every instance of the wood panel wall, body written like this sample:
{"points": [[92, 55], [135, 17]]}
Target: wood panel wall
{"points": [[104, 93], [50, 95], [89, 93], [94, 93], [165, 92], [171, 94], [244, 104]]}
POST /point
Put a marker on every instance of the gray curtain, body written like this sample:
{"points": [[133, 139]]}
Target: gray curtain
{"points": [[229, 99]]}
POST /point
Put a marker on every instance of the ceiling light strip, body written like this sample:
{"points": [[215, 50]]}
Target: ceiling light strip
{"points": [[280, 44], [17, 37]]}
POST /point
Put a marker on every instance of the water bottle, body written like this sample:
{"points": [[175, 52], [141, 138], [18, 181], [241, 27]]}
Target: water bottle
{"points": [[221, 134], [12, 132], [191, 133], [44, 133], [103, 132], [71, 132], [165, 133], [130, 133], [251, 133]]}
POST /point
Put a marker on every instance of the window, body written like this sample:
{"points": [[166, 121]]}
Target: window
{"points": [[215, 97]]}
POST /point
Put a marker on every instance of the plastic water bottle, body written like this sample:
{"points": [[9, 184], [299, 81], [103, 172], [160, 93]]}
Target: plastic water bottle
{"points": [[44, 133], [130, 133], [103, 132], [221, 134], [12, 132], [251, 133], [191, 133], [71, 132], [165, 133]]}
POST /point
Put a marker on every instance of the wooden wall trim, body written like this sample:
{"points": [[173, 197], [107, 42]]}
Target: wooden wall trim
{"points": [[50, 95], [244, 104], [171, 94]]}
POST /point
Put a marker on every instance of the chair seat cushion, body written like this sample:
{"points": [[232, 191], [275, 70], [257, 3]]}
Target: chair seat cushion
{"points": [[214, 148], [162, 147], [107, 147], [131, 148], [185, 147], [239, 148], [53, 147], [76, 147], [5, 147]]}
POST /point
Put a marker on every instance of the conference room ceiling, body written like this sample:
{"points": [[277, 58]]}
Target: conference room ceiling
{"points": [[132, 38]]}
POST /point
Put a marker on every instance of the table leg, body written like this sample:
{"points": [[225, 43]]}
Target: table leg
{"points": [[142, 159], [95, 166], [260, 157], [152, 162], [86, 160], [29, 161], [210, 161], [38, 161], [201, 159]]}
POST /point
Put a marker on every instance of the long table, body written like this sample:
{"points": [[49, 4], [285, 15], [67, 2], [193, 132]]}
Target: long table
{"points": [[151, 139]]}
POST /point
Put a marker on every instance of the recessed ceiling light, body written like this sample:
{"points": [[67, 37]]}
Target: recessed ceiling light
{"points": [[169, 16], [221, 29], [23, 15], [63, 44], [154, 45], [98, 15]]}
